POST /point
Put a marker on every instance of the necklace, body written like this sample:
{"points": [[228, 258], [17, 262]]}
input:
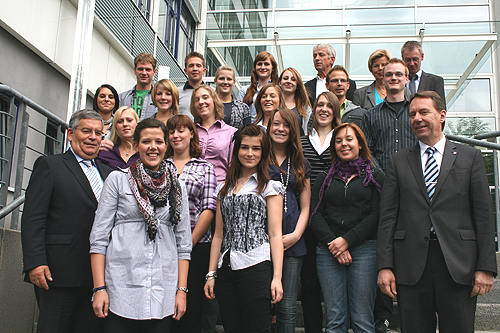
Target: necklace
{"points": [[126, 152], [286, 183]]}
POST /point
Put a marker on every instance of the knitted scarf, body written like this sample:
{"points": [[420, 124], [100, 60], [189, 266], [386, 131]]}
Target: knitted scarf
{"points": [[345, 170], [152, 189]]}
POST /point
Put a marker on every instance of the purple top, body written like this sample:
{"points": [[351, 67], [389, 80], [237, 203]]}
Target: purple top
{"points": [[217, 146], [113, 159], [199, 177]]}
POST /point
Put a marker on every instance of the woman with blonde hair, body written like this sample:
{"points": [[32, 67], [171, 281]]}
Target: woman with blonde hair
{"points": [[165, 96], [373, 94], [236, 113], [296, 98], [265, 70], [122, 154]]}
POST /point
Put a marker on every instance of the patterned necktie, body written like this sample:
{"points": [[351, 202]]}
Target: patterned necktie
{"points": [[93, 177], [413, 78], [431, 172]]}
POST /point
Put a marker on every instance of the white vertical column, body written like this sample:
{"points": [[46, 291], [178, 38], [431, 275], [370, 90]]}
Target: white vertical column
{"points": [[81, 56]]}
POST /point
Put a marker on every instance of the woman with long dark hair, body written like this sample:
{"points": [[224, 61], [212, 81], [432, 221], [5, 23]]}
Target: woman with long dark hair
{"points": [[247, 237], [269, 98], [346, 203], [326, 116], [140, 241], [289, 167], [106, 102], [296, 98], [183, 158], [264, 71]]}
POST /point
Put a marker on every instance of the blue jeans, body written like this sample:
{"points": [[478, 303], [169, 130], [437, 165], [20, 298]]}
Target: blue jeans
{"points": [[287, 307], [349, 289]]}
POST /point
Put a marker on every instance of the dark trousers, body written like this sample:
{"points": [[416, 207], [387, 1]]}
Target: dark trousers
{"points": [[311, 289], [117, 324], [244, 298], [383, 306], [436, 292], [197, 316], [65, 310]]}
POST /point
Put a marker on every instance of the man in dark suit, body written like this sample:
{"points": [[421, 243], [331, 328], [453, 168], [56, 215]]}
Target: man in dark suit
{"points": [[413, 54], [61, 200], [436, 248], [324, 57]]}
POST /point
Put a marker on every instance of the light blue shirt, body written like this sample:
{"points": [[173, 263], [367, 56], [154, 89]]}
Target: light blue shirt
{"points": [[79, 160], [140, 275]]}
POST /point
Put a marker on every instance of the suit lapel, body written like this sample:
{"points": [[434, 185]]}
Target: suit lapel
{"points": [[370, 93], [72, 164], [415, 162], [449, 157], [424, 80]]}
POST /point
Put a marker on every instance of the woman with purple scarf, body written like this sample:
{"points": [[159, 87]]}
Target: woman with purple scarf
{"points": [[345, 203]]}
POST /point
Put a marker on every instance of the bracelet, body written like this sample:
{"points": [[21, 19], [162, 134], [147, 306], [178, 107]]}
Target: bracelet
{"points": [[212, 274], [210, 278], [98, 289], [184, 289]]}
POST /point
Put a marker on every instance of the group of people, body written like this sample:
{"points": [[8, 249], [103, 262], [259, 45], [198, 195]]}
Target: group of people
{"points": [[174, 202]]}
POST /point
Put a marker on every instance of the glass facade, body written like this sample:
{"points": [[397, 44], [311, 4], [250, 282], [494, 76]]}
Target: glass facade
{"points": [[458, 38]]}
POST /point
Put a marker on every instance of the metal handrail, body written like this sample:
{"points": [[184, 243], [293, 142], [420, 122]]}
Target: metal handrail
{"points": [[40, 109], [19, 120]]}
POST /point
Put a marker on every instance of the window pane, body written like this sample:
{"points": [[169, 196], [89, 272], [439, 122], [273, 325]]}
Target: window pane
{"points": [[458, 56], [469, 126], [474, 98], [454, 14], [374, 21]]}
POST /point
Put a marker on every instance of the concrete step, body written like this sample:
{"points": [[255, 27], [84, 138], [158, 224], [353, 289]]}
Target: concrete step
{"points": [[487, 311]]}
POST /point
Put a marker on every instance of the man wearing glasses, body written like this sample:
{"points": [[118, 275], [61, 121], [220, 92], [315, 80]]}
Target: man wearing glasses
{"points": [[412, 54], [387, 126], [61, 200], [337, 82]]}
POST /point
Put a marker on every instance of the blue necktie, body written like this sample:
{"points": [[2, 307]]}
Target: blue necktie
{"points": [[431, 175], [93, 177], [431, 172]]}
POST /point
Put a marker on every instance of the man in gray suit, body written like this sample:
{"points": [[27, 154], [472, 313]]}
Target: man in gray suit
{"points": [[412, 54], [436, 247]]}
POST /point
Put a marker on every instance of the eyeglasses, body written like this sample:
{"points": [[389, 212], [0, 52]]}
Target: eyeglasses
{"points": [[87, 131], [338, 80], [390, 75], [409, 60]]}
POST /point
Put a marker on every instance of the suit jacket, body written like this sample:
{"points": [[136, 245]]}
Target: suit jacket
{"points": [[432, 82], [365, 97], [57, 218], [311, 90], [461, 213]]}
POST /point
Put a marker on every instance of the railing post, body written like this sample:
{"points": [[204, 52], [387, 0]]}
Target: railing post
{"points": [[8, 146], [497, 196], [23, 136]]}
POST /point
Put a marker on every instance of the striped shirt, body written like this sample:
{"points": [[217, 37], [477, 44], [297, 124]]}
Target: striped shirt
{"points": [[387, 131], [319, 162], [199, 177]]}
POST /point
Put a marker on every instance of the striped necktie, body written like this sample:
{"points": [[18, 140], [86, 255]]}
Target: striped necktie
{"points": [[412, 85], [431, 172], [431, 175], [93, 177]]}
